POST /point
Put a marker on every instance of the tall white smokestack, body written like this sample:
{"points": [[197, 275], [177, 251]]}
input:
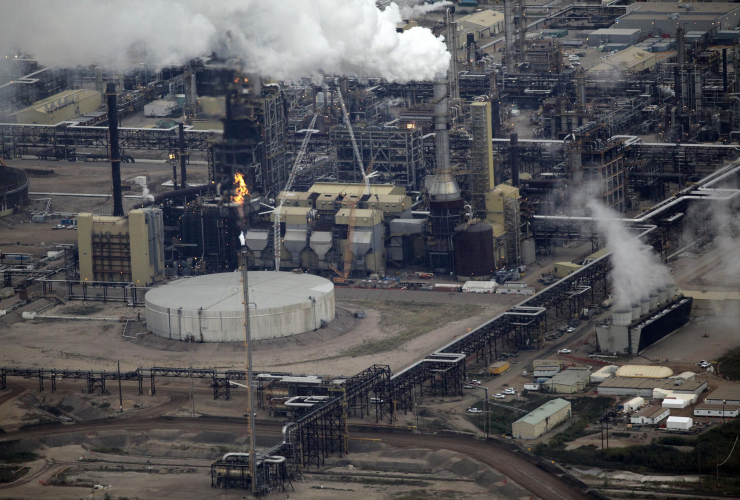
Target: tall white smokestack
{"points": [[442, 139]]}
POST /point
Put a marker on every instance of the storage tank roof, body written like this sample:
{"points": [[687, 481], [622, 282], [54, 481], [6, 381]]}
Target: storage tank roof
{"points": [[644, 371], [223, 291]]}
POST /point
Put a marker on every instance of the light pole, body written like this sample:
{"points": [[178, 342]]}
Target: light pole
{"points": [[724, 401], [485, 409]]}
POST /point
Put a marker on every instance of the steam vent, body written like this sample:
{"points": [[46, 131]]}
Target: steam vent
{"points": [[209, 308]]}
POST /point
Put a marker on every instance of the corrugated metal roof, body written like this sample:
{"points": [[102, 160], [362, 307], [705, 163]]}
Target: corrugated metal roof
{"points": [[644, 371], [652, 383], [569, 377], [546, 410], [731, 392]]}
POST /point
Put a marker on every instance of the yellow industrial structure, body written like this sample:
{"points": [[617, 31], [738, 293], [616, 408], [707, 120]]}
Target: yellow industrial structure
{"points": [[122, 249], [502, 212], [60, 107], [563, 269]]}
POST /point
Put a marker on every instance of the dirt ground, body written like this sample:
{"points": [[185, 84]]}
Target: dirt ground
{"points": [[172, 463]]}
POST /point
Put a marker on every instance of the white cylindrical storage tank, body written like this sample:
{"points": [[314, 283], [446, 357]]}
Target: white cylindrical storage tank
{"points": [[653, 301], [671, 290], [210, 308], [528, 251], [622, 317], [635, 311], [662, 295], [644, 305]]}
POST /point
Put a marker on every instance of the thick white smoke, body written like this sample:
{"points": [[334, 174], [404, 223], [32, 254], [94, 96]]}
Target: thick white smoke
{"points": [[636, 268], [286, 39], [415, 8]]}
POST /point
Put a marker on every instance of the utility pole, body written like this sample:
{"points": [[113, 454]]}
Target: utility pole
{"points": [[120, 392], [248, 348]]}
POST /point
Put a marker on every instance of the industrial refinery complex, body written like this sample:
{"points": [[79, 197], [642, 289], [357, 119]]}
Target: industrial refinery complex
{"points": [[392, 249]]}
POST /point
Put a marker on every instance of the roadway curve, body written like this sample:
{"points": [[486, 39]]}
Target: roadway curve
{"points": [[492, 453]]}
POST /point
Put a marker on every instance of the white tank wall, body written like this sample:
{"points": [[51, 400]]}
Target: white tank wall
{"points": [[226, 326], [284, 307]]}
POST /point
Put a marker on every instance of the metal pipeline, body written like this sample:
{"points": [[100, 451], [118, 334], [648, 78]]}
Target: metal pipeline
{"points": [[183, 173], [171, 194]]}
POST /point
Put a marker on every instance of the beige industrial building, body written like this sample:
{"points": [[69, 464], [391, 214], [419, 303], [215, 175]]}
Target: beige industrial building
{"points": [[633, 386], [60, 107], [563, 269], [122, 249], [568, 381], [484, 24], [633, 59], [541, 420], [502, 212]]}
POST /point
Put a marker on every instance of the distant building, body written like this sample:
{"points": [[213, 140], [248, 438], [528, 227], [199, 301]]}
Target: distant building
{"points": [[633, 60], [484, 24], [541, 420], [568, 382], [730, 394], [650, 415], [60, 107], [122, 249], [613, 35], [632, 386], [663, 18]]}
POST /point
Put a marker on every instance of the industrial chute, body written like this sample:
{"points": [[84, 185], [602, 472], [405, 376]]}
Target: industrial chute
{"points": [[289, 187]]}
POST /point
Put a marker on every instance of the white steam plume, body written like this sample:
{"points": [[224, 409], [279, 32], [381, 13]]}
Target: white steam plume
{"points": [[636, 268], [285, 39], [415, 8]]}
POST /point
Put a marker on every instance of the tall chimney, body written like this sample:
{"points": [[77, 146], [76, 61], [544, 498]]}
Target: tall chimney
{"points": [[514, 153], [441, 137], [183, 173], [115, 155], [724, 69]]}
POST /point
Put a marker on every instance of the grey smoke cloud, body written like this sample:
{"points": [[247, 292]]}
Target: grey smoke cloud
{"points": [[287, 39], [636, 269], [415, 8]]}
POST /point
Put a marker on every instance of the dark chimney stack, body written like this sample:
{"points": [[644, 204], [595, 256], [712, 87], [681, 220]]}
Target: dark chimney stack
{"points": [[514, 152], [724, 69], [115, 155], [183, 173]]}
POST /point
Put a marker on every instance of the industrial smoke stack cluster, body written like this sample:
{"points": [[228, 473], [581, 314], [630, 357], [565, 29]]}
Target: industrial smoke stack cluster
{"points": [[657, 297]]}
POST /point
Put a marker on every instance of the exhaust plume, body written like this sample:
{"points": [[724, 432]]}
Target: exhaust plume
{"points": [[286, 40], [636, 268], [415, 8]]}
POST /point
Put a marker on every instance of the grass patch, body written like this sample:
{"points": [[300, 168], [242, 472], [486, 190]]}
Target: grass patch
{"points": [[10, 474], [408, 321], [17, 457], [708, 449], [729, 364]]}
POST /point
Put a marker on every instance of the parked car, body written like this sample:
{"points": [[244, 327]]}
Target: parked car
{"points": [[510, 391], [475, 410], [499, 396], [703, 361], [705, 365], [564, 351], [475, 382], [581, 54], [468, 386], [570, 329], [524, 373]]}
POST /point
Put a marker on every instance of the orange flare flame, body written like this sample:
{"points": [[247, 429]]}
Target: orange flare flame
{"points": [[240, 188]]}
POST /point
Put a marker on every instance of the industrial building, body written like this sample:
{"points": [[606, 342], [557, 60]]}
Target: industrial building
{"points": [[647, 321], [714, 410], [633, 59], [643, 371], [613, 35], [650, 415], [664, 18], [60, 107], [211, 308], [539, 421], [568, 382], [122, 249], [483, 24], [726, 394], [650, 388]]}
